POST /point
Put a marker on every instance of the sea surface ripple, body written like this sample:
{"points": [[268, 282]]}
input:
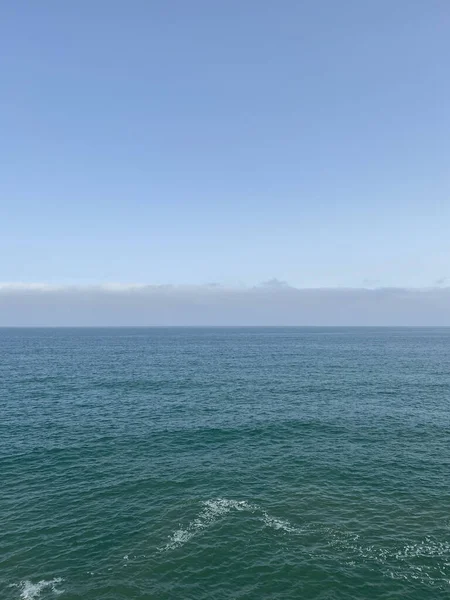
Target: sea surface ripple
{"points": [[225, 463]]}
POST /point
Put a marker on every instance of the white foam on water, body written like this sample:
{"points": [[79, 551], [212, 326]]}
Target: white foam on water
{"points": [[179, 537], [29, 590], [397, 562], [427, 548], [279, 524], [409, 562], [214, 510], [424, 549]]}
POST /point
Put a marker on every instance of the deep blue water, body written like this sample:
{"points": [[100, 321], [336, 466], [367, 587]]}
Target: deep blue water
{"points": [[225, 463]]}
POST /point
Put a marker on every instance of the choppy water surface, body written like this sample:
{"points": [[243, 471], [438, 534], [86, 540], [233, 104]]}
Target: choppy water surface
{"points": [[224, 463]]}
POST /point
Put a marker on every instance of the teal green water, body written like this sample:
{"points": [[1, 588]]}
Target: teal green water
{"points": [[278, 463]]}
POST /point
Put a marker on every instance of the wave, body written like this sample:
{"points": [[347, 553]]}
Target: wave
{"points": [[29, 590], [214, 510], [409, 561], [426, 561]]}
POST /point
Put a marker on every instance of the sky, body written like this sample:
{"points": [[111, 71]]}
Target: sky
{"points": [[190, 143]]}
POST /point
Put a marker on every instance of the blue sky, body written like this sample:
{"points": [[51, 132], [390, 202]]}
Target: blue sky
{"points": [[194, 142]]}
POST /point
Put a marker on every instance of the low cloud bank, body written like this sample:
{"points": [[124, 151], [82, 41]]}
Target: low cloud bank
{"points": [[272, 303]]}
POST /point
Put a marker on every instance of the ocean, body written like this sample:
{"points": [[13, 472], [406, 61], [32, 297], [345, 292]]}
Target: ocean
{"points": [[225, 463]]}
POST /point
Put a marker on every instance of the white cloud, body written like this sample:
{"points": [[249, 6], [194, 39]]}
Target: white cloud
{"points": [[41, 304]]}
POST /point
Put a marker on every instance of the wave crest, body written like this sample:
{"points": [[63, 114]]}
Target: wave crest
{"points": [[29, 590], [214, 510]]}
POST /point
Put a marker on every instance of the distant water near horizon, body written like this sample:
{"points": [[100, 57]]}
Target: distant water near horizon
{"points": [[225, 463]]}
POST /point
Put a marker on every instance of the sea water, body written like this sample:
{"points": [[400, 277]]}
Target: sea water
{"points": [[224, 463]]}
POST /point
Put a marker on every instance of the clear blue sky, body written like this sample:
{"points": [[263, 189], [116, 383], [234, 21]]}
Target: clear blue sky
{"points": [[229, 141]]}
